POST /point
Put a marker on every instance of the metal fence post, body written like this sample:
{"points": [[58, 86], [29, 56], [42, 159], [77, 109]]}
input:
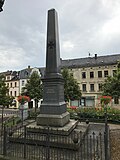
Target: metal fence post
{"points": [[48, 144], [5, 141], [106, 135], [2, 118], [24, 141]]}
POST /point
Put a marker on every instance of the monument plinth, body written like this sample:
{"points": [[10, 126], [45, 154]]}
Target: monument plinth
{"points": [[53, 109]]}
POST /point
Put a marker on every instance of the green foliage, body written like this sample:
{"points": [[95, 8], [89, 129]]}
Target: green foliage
{"points": [[5, 99], [71, 87], [95, 114], [12, 121], [32, 114], [33, 88], [111, 86]]}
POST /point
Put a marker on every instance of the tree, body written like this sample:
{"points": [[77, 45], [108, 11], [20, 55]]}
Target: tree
{"points": [[71, 87], [33, 88], [1, 5], [111, 86], [5, 99]]}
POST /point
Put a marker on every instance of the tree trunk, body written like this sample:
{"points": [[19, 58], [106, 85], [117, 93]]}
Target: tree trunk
{"points": [[36, 105], [2, 117]]}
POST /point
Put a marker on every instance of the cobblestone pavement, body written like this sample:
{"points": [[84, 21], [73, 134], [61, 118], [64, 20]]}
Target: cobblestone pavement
{"points": [[115, 141]]}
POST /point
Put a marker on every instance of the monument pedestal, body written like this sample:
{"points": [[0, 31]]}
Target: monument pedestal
{"points": [[53, 110], [65, 130], [53, 120]]}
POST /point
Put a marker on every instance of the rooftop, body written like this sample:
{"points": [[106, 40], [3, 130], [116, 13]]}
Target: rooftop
{"points": [[91, 61]]}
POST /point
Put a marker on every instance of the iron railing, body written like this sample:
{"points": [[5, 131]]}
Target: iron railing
{"points": [[51, 144]]}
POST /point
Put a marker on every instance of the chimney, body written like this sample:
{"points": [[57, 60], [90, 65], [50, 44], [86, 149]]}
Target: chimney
{"points": [[28, 67], [95, 56]]}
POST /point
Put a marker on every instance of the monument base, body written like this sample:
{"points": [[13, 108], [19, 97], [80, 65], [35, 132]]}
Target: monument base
{"points": [[65, 130], [53, 120]]}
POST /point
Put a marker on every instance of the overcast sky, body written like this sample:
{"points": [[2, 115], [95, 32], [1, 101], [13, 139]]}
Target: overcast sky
{"points": [[85, 26]]}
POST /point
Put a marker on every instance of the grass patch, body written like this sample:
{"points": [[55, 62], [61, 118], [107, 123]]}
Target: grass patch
{"points": [[12, 121]]}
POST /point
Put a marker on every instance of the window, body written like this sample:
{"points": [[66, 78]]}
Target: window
{"points": [[8, 84], [8, 77], [100, 87], [15, 84], [91, 74], [82, 101], [114, 72], [23, 82], [11, 84], [83, 87], [99, 74], [91, 87], [26, 73], [10, 93], [83, 74], [116, 100], [15, 93], [3, 78], [105, 73], [71, 74]]}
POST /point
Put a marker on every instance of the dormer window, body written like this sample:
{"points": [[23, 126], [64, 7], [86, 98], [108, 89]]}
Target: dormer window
{"points": [[26, 73], [8, 77]]}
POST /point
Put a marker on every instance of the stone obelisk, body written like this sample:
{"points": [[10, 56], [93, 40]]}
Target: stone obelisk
{"points": [[53, 109]]}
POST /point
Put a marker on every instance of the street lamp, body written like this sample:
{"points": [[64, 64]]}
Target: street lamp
{"points": [[1, 5]]}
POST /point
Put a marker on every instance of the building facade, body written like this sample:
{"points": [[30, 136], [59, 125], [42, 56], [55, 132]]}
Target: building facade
{"points": [[12, 81], [16, 80], [91, 73]]}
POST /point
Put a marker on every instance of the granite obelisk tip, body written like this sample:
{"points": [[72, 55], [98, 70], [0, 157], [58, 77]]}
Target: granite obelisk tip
{"points": [[52, 48]]}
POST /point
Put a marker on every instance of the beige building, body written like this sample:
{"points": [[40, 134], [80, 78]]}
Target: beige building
{"points": [[12, 81], [90, 73]]}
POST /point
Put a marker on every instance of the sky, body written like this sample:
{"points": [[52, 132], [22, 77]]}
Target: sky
{"points": [[85, 26]]}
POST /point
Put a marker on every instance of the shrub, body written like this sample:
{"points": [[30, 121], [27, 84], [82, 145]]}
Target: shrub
{"points": [[32, 114], [94, 114]]}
